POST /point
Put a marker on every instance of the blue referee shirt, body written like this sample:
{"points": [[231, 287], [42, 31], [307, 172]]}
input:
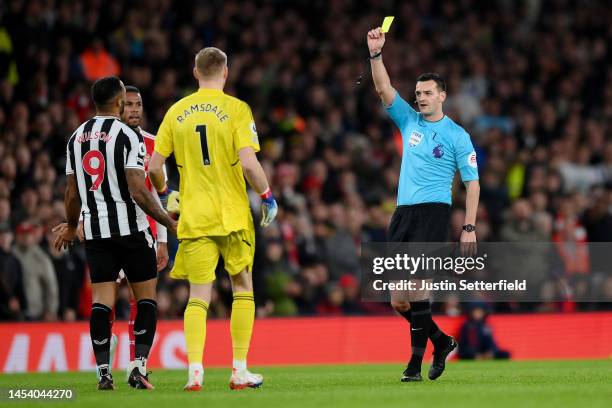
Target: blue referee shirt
{"points": [[432, 153]]}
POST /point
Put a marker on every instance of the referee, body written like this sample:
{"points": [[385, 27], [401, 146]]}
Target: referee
{"points": [[434, 148]]}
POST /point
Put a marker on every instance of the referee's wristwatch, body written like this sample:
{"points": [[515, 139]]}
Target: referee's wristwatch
{"points": [[469, 228]]}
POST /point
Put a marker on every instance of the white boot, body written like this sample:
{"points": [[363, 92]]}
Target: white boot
{"points": [[196, 378]]}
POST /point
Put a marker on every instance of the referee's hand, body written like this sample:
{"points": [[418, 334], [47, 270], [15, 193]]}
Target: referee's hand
{"points": [[376, 40], [468, 243]]}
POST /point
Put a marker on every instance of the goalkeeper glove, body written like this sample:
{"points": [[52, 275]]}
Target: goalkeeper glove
{"points": [[169, 199], [269, 208]]}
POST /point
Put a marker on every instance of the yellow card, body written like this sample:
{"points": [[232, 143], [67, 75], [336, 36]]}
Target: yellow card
{"points": [[387, 24]]}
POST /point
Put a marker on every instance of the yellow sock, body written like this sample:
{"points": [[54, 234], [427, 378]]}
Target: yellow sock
{"points": [[194, 322], [241, 324]]}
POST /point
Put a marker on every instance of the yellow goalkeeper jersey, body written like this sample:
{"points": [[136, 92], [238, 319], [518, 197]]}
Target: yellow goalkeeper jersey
{"points": [[205, 131]]}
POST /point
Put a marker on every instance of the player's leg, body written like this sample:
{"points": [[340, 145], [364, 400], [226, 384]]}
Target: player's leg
{"points": [[196, 261], [194, 326], [132, 340], [140, 266], [238, 252], [114, 340], [104, 268], [241, 328]]}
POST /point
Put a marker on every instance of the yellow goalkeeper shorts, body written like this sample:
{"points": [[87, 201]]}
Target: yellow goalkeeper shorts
{"points": [[196, 259]]}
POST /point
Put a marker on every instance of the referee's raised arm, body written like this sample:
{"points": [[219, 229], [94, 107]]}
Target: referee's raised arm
{"points": [[376, 40]]}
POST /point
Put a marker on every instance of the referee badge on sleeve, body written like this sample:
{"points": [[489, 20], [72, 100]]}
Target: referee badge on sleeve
{"points": [[415, 138], [471, 159]]}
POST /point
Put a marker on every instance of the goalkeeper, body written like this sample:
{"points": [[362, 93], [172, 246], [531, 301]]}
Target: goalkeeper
{"points": [[214, 140]]}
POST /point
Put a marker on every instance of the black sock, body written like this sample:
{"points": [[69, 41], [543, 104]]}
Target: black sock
{"points": [[437, 336], [419, 332], [100, 332], [144, 327]]}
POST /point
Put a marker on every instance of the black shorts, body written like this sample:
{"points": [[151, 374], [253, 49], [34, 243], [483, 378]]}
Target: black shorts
{"points": [[419, 223], [134, 253], [427, 222]]}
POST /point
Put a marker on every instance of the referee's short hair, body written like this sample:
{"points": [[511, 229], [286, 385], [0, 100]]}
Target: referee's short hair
{"points": [[104, 90], [432, 76], [210, 61]]}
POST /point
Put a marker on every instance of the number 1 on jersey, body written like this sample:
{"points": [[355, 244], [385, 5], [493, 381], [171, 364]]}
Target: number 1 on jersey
{"points": [[201, 129]]}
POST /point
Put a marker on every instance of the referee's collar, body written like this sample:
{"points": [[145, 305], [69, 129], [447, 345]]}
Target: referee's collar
{"points": [[422, 120]]}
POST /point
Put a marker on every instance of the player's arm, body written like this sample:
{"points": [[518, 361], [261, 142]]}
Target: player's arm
{"points": [[135, 175], [156, 171], [256, 177], [144, 198], [164, 147], [72, 202], [253, 172], [168, 198], [382, 82], [66, 232]]}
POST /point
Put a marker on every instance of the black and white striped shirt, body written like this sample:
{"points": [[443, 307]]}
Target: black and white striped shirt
{"points": [[98, 152]]}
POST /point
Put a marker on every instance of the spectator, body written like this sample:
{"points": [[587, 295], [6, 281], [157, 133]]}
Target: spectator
{"points": [[13, 302], [476, 338], [39, 278]]}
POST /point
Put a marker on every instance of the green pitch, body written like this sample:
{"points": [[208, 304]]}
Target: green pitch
{"points": [[464, 384]]}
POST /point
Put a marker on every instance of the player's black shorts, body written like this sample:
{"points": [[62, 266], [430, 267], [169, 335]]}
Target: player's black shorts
{"points": [[134, 253], [427, 222]]}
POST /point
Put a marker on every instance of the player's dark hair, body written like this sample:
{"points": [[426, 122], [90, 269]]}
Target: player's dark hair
{"points": [[432, 76], [132, 88], [104, 90]]}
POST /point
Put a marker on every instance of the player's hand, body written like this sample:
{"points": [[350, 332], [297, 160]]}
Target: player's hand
{"points": [[65, 236], [173, 227], [376, 40], [162, 255], [269, 208], [468, 243], [80, 232]]}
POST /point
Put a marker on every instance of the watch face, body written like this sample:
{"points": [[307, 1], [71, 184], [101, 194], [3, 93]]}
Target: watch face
{"points": [[469, 228]]}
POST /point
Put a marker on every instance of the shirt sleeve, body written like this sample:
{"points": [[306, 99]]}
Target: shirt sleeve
{"points": [[162, 232], [69, 169], [465, 158], [245, 132], [164, 143], [401, 112], [136, 149]]}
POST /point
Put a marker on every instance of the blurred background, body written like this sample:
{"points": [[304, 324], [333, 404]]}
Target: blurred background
{"points": [[529, 80]]}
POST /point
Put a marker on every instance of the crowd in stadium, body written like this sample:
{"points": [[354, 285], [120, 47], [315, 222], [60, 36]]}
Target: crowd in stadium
{"points": [[536, 103]]}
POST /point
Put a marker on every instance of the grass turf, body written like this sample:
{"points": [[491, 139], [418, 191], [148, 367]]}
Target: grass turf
{"points": [[485, 383]]}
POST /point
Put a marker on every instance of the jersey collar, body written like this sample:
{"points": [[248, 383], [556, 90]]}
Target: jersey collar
{"points": [[210, 91], [423, 122]]}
